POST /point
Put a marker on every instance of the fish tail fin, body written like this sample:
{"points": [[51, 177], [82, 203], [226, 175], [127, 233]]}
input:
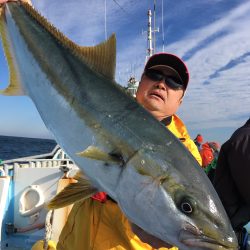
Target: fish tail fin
{"points": [[14, 88], [79, 189]]}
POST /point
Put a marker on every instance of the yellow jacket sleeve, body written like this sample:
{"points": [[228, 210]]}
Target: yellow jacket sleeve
{"points": [[178, 128], [39, 245], [98, 226]]}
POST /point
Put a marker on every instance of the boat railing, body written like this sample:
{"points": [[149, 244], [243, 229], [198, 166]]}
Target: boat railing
{"points": [[57, 158]]}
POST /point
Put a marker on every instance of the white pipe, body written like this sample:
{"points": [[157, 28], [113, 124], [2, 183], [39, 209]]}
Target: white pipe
{"points": [[2, 172]]}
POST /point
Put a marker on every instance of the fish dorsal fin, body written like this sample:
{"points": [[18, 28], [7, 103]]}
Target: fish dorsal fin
{"points": [[97, 154], [76, 191], [14, 88], [101, 58]]}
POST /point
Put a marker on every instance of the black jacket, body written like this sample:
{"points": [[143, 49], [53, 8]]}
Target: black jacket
{"points": [[232, 176]]}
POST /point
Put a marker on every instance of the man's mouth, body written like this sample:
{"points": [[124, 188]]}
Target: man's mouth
{"points": [[158, 95]]}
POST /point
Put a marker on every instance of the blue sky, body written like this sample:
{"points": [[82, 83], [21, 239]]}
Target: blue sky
{"points": [[212, 36]]}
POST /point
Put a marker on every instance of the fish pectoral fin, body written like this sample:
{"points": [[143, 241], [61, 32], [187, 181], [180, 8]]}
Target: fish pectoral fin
{"points": [[81, 189], [97, 154], [102, 57], [14, 88]]}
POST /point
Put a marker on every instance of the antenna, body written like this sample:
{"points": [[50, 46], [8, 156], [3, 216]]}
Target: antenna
{"points": [[105, 19], [154, 24], [162, 26]]}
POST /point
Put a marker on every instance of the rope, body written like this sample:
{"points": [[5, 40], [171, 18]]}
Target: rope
{"points": [[48, 229], [120, 7]]}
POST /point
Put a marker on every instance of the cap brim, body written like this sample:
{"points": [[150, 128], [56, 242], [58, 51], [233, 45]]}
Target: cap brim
{"points": [[168, 71]]}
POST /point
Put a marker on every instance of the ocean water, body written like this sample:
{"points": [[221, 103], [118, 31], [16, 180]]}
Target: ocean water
{"points": [[15, 147]]}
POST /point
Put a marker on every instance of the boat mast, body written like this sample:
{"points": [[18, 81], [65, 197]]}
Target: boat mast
{"points": [[150, 46], [151, 49], [132, 84]]}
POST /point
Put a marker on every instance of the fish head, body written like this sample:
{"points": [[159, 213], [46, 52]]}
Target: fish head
{"points": [[175, 205], [202, 219]]}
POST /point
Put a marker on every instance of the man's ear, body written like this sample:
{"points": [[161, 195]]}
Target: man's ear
{"points": [[181, 100]]}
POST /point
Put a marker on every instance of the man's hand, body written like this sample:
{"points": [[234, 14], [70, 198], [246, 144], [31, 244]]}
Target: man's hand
{"points": [[5, 1], [148, 238]]}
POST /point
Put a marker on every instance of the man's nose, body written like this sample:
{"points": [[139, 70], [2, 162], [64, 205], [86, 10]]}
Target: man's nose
{"points": [[161, 85]]}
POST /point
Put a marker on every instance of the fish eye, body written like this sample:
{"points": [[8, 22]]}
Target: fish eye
{"points": [[186, 206]]}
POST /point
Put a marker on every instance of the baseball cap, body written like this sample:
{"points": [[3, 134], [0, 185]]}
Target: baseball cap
{"points": [[169, 64], [199, 138]]}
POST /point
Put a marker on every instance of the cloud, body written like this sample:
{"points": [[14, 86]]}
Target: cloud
{"points": [[218, 59]]}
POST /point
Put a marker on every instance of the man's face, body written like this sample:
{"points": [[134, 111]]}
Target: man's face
{"points": [[158, 98]]}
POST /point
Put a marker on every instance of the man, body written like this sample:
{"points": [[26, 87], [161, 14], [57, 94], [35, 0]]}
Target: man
{"points": [[98, 223], [198, 140], [209, 154], [231, 180], [161, 90]]}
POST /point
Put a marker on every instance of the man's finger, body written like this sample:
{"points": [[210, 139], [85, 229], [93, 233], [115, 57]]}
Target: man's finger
{"points": [[25, 1]]}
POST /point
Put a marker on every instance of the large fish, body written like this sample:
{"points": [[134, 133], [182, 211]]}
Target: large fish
{"points": [[120, 147]]}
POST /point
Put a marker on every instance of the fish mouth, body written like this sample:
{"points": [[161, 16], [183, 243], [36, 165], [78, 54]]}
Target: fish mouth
{"points": [[193, 237]]}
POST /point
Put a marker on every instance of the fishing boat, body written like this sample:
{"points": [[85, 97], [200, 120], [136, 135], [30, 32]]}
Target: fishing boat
{"points": [[26, 185]]}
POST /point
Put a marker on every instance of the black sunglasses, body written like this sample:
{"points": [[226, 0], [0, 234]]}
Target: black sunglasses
{"points": [[170, 81]]}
